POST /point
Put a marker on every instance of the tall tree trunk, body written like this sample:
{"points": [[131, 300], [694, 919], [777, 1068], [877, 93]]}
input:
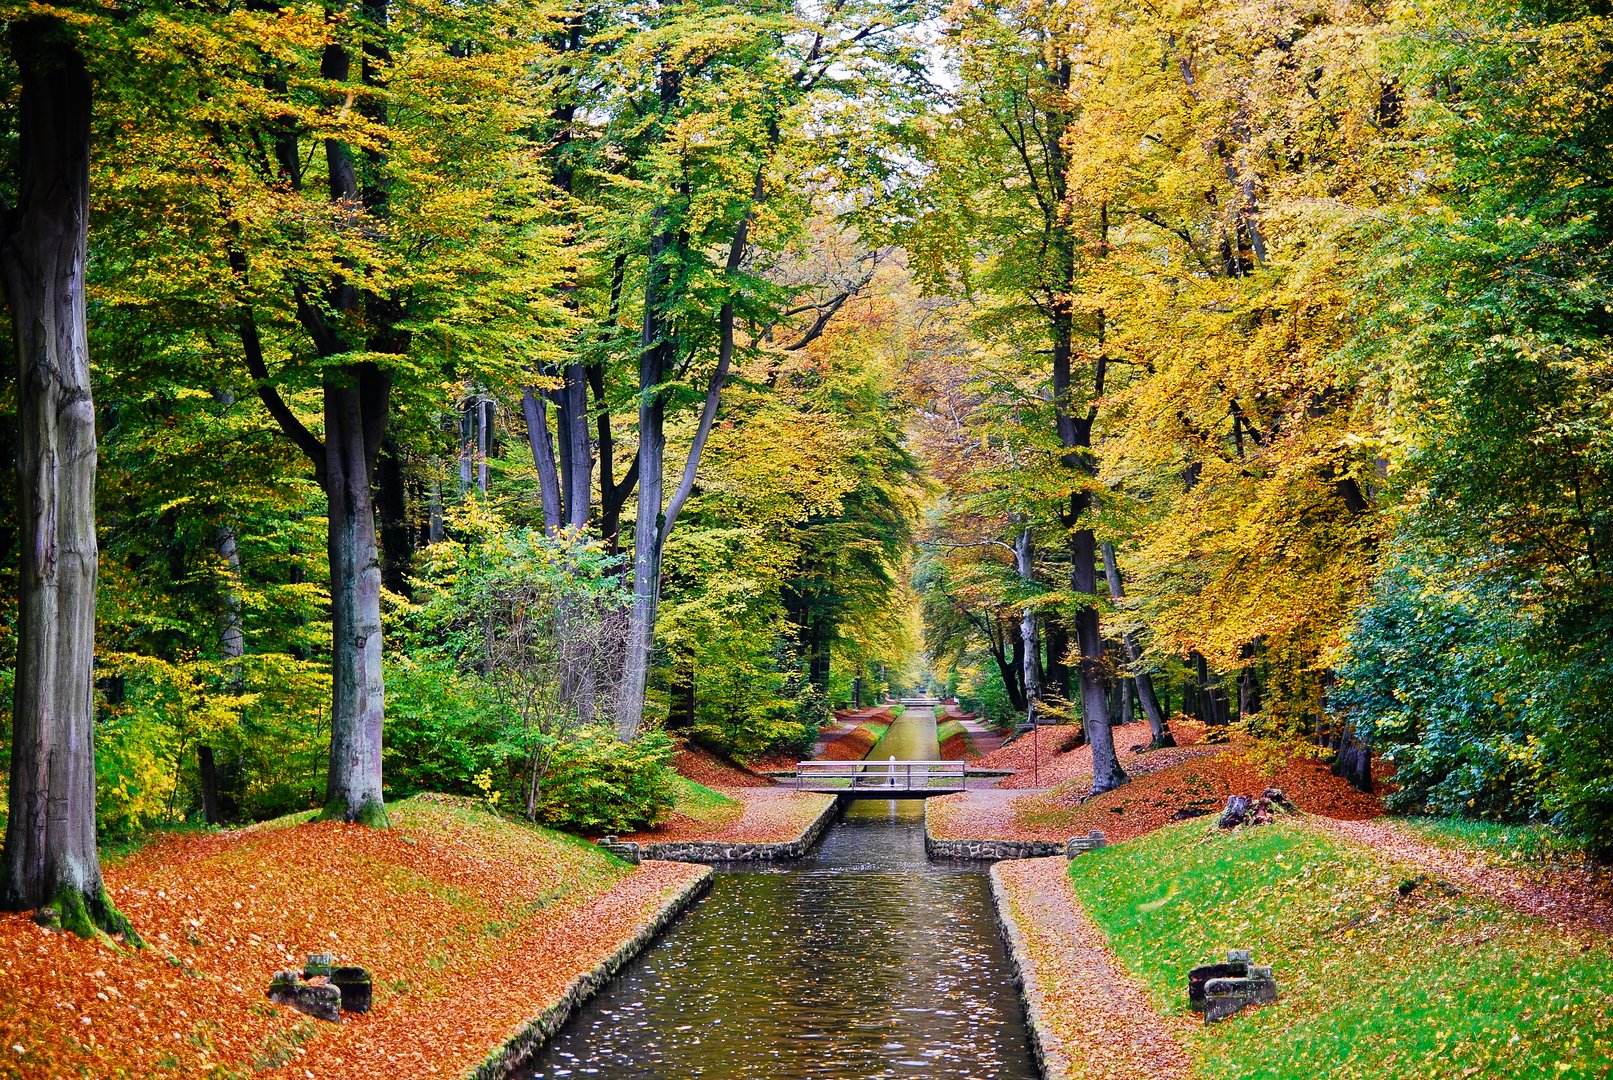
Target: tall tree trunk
{"points": [[50, 857], [1024, 565], [208, 774], [1057, 681], [1106, 771], [392, 505], [1144, 681], [353, 785], [657, 352]]}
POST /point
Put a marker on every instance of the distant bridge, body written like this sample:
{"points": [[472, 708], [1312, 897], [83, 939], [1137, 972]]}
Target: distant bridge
{"points": [[890, 779]]}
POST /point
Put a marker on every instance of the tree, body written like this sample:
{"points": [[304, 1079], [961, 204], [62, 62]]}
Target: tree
{"points": [[1016, 111], [50, 856], [717, 107]]}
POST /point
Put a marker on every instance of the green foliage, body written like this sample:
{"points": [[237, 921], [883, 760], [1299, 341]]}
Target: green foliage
{"points": [[1485, 327], [1370, 984], [443, 728], [1435, 679], [598, 784], [982, 693]]}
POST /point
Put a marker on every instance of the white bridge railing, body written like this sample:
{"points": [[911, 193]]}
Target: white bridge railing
{"points": [[890, 777]]}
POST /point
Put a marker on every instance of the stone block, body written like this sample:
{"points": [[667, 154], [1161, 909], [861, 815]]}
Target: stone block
{"points": [[354, 985], [1198, 978], [319, 1000], [283, 988], [627, 851], [318, 964], [1225, 996], [1092, 841]]}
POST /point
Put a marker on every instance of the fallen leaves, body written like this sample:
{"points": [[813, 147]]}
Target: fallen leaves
{"points": [[469, 923], [704, 767], [1098, 1021], [771, 816], [1163, 782]]}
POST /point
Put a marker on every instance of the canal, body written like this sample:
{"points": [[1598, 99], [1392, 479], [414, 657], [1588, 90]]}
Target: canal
{"points": [[864, 959]]}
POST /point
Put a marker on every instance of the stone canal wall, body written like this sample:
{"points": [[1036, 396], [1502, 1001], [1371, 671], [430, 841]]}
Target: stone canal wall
{"points": [[1046, 1046], [987, 850], [719, 851], [507, 1059]]}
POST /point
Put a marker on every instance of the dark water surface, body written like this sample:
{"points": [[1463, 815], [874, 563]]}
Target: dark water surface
{"points": [[862, 960]]}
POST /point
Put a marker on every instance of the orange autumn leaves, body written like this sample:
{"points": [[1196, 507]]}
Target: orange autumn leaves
{"points": [[469, 923]]}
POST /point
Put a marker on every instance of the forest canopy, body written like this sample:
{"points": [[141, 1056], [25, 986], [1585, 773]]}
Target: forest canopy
{"points": [[411, 395]]}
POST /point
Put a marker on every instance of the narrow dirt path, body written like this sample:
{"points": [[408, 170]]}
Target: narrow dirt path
{"points": [[1578, 901], [1090, 1018]]}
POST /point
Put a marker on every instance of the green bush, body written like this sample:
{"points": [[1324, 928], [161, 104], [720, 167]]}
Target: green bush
{"points": [[598, 784], [1441, 686], [443, 728]]}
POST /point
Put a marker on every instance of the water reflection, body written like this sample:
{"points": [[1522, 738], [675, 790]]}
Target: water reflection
{"points": [[863, 960]]}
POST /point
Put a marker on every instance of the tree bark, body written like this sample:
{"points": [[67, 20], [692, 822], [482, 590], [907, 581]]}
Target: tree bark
{"points": [[50, 856], [209, 780], [353, 785], [1057, 680], [1024, 565], [1156, 715], [392, 504], [657, 352]]}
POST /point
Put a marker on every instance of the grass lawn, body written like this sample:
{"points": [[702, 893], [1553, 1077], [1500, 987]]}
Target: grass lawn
{"points": [[1371, 984], [1519, 845], [697, 801]]}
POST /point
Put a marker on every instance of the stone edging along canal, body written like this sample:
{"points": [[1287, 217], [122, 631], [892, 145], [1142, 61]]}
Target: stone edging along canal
{"points": [[986, 850], [506, 1059], [716, 851], [1045, 1045]]}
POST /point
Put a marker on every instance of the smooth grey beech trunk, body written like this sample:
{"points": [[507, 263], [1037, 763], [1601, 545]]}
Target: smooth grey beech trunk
{"points": [[50, 856], [353, 784], [1024, 565]]}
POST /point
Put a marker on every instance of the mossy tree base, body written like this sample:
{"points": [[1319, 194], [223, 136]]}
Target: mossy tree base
{"points": [[87, 915], [371, 812]]}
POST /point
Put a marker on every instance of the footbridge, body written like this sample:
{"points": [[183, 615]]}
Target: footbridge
{"points": [[890, 779]]}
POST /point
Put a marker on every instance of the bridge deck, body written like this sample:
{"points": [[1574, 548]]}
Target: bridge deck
{"points": [[882, 779]]}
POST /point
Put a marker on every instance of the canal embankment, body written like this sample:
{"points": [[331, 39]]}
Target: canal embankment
{"points": [[475, 927], [1384, 966], [1086, 1015]]}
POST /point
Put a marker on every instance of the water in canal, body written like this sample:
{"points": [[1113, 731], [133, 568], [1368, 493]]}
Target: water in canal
{"points": [[862, 960]]}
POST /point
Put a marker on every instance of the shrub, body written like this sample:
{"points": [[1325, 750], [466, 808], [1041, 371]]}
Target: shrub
{"points": [[599, 784]]}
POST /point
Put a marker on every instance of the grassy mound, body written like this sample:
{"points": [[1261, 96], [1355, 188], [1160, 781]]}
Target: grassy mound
{"points": [[469, 922], [1373, 983], [956, 745]]}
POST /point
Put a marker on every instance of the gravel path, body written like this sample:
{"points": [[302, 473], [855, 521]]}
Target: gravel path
{"points": [[1091, 1019], [1578, 901]]}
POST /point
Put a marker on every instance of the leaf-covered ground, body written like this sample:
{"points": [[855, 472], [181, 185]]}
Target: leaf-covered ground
{"points": [[470, 924], [852, 744], [957, 741], [704, 767], [1163, 782], [1099, 1021], [1050, 756], [1434, 983], [769, 816], [1570, 894]]}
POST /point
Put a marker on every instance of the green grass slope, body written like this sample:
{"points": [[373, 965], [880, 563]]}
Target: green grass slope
{"points": [[1371, 984]]}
